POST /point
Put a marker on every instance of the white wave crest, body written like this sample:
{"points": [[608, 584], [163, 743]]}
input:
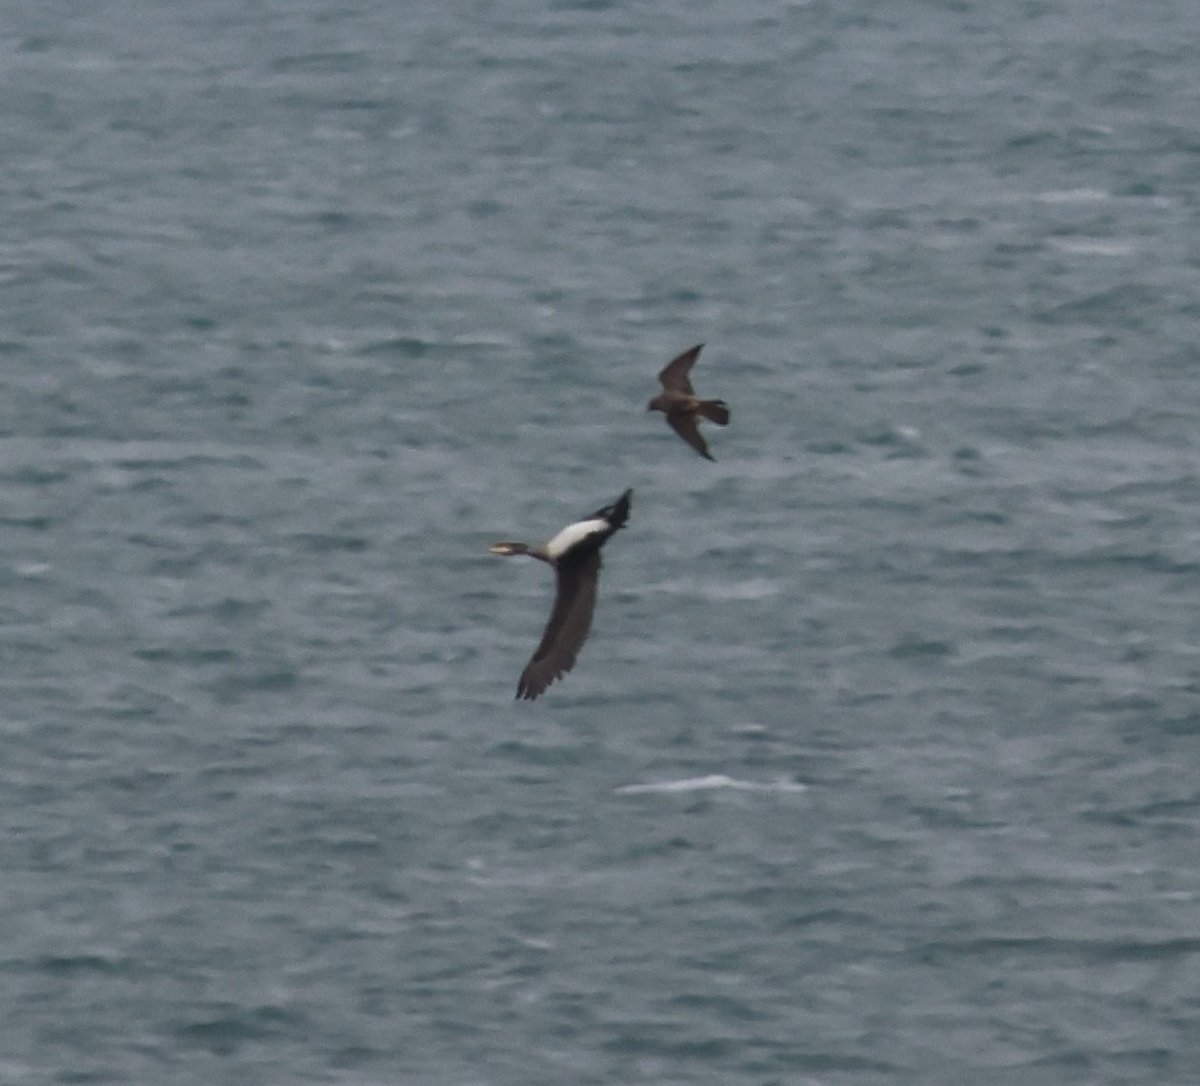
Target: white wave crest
{"points": [[709, 783]]}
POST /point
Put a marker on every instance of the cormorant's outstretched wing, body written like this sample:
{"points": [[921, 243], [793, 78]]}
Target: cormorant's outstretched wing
{"points": [[674, 376], [684, 424], [570, 621]]}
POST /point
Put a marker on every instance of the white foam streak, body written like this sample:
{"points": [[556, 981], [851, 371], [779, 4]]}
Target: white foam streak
{"points": [[711, 782], [1072, 196], [1092, 246]]}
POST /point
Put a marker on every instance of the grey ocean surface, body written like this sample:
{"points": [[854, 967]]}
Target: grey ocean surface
{"points": [[881, 764]]}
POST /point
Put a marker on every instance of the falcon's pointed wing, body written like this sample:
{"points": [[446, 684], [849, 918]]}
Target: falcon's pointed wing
{"points": [[684, 424], [570, 621], [674, 375]]}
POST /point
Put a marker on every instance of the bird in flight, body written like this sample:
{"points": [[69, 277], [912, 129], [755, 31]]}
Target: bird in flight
{"points": [[575, 555], [682, 406]]}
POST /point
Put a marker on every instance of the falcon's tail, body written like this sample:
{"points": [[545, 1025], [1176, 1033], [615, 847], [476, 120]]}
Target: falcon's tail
{"points": [[715, 411]]}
